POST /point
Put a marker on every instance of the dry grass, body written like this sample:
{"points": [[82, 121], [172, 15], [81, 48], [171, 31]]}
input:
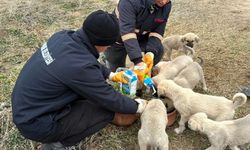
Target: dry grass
{"points": [[222, 25]]}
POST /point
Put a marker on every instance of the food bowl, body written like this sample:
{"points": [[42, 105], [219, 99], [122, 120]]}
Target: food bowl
{"points": [[171, 111], [171, 117]]}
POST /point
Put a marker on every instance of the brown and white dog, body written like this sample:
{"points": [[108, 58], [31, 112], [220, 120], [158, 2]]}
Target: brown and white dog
{"points": [[182, 43]]}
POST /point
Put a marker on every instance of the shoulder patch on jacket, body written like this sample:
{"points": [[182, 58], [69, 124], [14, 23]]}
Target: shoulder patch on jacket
{"points": [[46, 55]]}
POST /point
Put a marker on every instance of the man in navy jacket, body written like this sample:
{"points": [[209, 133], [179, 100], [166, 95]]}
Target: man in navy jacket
{"points": [[142, 25], [61, 95]]}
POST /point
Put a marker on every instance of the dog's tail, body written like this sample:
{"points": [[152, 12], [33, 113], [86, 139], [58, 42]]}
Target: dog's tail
{"points": [[201, 62], [239, 99]]}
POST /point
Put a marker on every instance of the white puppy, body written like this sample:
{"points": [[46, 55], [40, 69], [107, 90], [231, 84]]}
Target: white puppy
{"points": [[190, 76], [222, 133], [168, 70], [182, 43], [188, 103], [153, 124]]}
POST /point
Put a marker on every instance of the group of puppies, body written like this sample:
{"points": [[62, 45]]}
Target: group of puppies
{"points": [[211, 115]]}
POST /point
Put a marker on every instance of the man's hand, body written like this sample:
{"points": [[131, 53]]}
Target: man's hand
{"points": [[148, 59], [145, 67], [139, 70], [141, 105], [117, 77]]}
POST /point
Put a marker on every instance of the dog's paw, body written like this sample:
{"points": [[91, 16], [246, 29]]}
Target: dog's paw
{"points": [[234, 148], [178, 130], [204, 88]]}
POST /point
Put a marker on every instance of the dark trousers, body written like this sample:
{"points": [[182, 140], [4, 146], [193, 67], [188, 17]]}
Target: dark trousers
{"points": [[116, 55], [84, 119]]}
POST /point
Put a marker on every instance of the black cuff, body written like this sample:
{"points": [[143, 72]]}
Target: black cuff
{"points": [[154, 51], [137, 60]]}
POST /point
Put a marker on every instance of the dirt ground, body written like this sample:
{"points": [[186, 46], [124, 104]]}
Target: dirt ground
{"points": [[222, 25]]}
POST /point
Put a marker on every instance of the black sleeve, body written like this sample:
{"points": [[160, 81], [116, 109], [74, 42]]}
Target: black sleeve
{"points": [[127, 22], [90, 84], [154, 44]]}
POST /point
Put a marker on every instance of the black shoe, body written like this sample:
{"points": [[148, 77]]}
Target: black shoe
{"points": [[246, 91], [58, 146]]}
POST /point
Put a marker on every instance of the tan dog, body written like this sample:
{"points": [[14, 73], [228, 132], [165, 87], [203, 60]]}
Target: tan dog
{"points": [[223, 133], [190, 76], [153, 124], [188, 103], [182, 43], [169, 70], [245, 146]]}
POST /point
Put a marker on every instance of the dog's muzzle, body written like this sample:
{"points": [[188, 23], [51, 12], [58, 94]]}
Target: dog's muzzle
{"points": [[161, 97], [190, 44]]}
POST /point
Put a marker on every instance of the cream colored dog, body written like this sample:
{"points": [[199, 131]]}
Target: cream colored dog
{"points": [[169, 69], [222, 133], [190, 76], [188, 103], [182, 43], [245, 146], [153, 124]]}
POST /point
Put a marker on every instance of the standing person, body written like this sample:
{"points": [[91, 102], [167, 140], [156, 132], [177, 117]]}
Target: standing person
{"points": [[61, 95], [142, 24]]}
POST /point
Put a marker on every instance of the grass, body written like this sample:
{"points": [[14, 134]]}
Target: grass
{"points": [[223, 27]]}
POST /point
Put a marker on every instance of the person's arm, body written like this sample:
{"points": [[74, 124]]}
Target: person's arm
{"points": [[156, 36], [89, 82], [126, 13]]}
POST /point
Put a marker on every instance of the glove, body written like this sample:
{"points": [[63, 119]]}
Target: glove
{"points": [[148, 59], [141, 105], [117, 77], [139, 70], [144, 68]]}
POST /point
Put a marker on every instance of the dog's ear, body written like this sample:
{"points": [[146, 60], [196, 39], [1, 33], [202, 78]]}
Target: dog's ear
{"points": [[193, 125], [203, 115], [197, 39], [183, 39]]}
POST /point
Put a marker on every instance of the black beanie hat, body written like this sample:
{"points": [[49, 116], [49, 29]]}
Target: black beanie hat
{"points": [[101, 28]]}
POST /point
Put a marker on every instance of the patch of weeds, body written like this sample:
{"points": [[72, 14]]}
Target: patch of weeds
{"points": [[3, 45], [15, 32], [27, 40], [3, 42], [18, 17], [10, 136], [12, 59], [7, 82], [5, 87], [116, 138], [47, 19], [16, 141], [70, 6]]}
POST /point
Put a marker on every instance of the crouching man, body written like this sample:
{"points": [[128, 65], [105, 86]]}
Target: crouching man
{"points": [[61, 95]]}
